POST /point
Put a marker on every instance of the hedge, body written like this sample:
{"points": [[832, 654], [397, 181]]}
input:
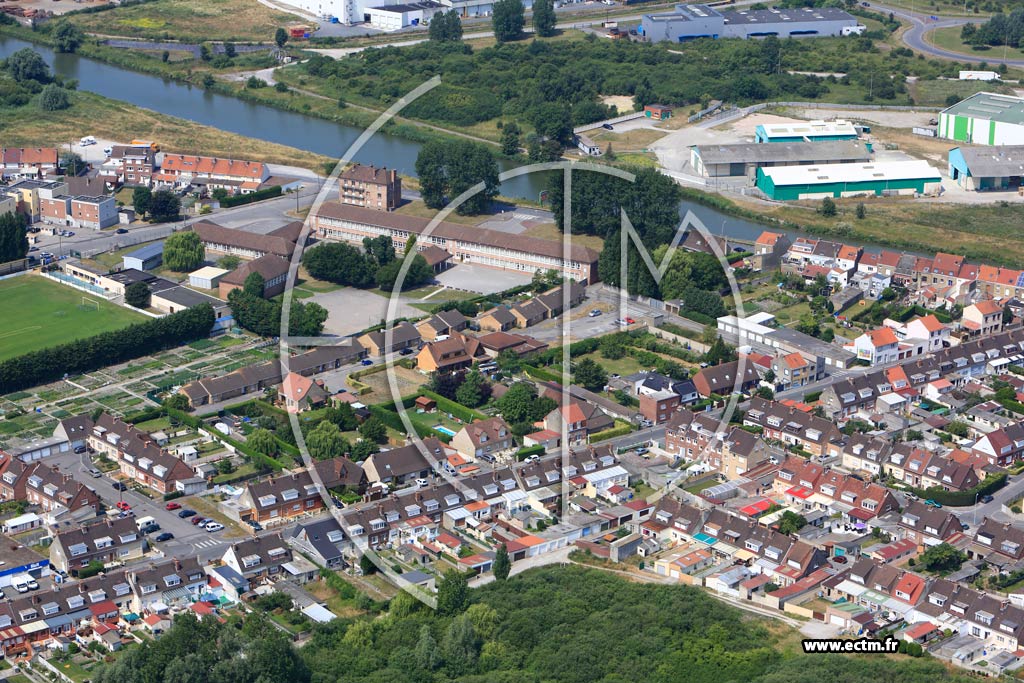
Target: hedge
{"points": [[258, 459], [963, 498], [387, 414], [102, 350], [621, 429], [241, 199], [467, 415], [527, 451], [542, 374]]}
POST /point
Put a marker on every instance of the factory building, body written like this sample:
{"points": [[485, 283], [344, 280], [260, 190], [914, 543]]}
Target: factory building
{"points": [[358, 11], [848, 180], [984, 119], [719, 161], [394, 17], [805, 131], [987, 168], [690, 22]]}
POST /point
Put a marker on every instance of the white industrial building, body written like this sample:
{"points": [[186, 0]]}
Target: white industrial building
{"points": [[394, 17], [984, 118], [360, 11], [691, 22]]}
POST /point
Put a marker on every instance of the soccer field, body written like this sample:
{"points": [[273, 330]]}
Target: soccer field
{"points": [[38, 313]]}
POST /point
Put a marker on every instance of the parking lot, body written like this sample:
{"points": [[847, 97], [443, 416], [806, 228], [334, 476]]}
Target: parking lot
{"points": [[482, 279], [351, 310]]}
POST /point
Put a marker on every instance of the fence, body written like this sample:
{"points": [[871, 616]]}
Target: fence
{"points": [[618, 119], [731, 113]]}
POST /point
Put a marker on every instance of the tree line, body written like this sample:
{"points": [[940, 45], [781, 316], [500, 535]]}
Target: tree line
{"points": [[263, 316], [375, 265], [1001, 29], [108, 348]]}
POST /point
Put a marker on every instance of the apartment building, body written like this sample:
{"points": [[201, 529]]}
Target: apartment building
{"points": [[235, 176], [491, 248], [370, 187], [27, 162], [111, 540], [139, 458]]}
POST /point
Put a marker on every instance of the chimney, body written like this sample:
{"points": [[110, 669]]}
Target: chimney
{"points": [[177, 565]]}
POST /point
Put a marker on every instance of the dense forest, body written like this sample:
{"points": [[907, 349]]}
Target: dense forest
{"points": [[544, 84], [558, 625]]}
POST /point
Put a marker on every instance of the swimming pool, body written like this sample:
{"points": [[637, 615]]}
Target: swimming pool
{"points": [[444, 430]]}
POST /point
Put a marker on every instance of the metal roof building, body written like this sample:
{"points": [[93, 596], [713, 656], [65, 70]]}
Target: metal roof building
{"points": [[987, 168], [805, 131], [690, 22], [984, 118], [715, 161], [848, 180], [145, 257]]}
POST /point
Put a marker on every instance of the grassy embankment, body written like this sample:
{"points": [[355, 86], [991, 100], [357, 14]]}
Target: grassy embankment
{"points": [[109, 119]]}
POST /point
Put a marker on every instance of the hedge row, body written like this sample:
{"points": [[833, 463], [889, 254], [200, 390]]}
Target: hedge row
{"points": [[387, 414], [621, 430], [241, 199], [542, 374], [467, 415], [102, 350], [527, 451], [260, 460], [963, 498]]}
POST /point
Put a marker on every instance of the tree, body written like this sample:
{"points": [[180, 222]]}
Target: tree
{"points": [[343, 416], [164, 206], [544, 18], [325, 442], [27, 65], [67, 37], [229, 50], [517, 403], [510, 139], [502, 564], [508, 20], [474, 390], [461, 646], [828, 207], [137, 294], [229, 262], [225, 466], [204, 52], [446, 169], [54, 98], [941, 558], [590, 375], [363, 449], [861, 212], [366, 565], [183, 251], [374, 430], [340, 263], [13, 237], [263, 441], [791, 522], [305, 319], [165, 56], [958, 428], [141, 198], [254, 285], [446, 27], [428, 655], [280, 37], [72, 164], [452, 593]]}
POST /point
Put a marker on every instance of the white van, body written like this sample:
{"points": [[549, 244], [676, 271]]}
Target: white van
{"points": [[143, 522], [20, 584], [86, 141]]}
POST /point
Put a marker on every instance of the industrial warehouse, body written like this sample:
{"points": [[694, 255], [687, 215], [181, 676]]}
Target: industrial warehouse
{"points": [[848, 180], [987, 168], [984, 119], [690, 22], [743, 159], [805, 131]]}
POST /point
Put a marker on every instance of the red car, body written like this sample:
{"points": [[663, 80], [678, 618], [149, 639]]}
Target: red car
{"points": [[123, 506], [630, 321], [173, 506]]}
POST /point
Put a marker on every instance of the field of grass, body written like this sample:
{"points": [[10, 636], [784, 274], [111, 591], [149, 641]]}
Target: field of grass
{"points": [[549, 231], [934, 93], [116, 120], [949, 39], [39, 313], [190, 20]]}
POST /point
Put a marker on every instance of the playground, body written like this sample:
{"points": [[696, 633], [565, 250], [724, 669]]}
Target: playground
{"points": [[38, 313]]}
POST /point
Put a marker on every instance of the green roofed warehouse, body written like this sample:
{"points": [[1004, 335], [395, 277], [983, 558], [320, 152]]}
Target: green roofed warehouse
{"points": [[984, 119], [848, 180]]}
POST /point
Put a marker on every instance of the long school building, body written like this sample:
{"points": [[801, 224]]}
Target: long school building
{"points": [[466, 244], [848, 180]]}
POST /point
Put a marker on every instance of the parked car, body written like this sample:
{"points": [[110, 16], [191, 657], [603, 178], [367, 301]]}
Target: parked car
{"points": [[121, 231], [94, 473], [934, 504], [594, 313], [173, 506], [123, 506], [405, 352], [32, 585], [421, 482], [607, 126], [80, 449], [213, 526], [149, 528], [531, 458], [366, 361], [119, 486], [630, 321], [165, 536], [986, 499], [196, 521], [186, 513]]}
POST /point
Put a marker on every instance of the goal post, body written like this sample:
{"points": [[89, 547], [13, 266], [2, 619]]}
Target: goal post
{"points": [[89, 304]]}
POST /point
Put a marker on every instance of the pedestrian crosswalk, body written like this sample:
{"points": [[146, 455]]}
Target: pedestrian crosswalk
{"points": [[209, 543], [523, 216]]}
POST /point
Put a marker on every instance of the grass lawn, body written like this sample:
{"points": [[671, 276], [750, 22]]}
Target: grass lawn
{"points": [[549, 231], [636, 140], [116, 120], [40, 313], [626, 365], [191, 20], [934, 93], [949, 39], [420, 210]]}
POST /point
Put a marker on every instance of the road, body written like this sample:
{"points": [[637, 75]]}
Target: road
{"points": [[921, 23]]}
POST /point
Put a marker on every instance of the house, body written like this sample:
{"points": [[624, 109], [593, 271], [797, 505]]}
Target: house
{"points": [[588, 146], [769, 249], [926, 525], [404, 336], [497, 319], [495, 343], [791, 426], [285, 497], [659, 396], [998, 543], [926, 329], [484, 439], [454, 354], [1003, 446], [581, 420], [260, 558], [401, 465], [130, 165], [45, 486], [370, 187], [301, 393], [442, 324], [27, 162], [723, 380], [175, 584], [111, 540], [235, 176], [983, 318], [322, 541], [271, 267], [793, 370], [139, 458], [528, 313], [878, 347]]}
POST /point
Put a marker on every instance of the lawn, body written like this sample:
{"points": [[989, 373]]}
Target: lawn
{"points": [[40, 313], [949, 39], [626, 365], [191, 20]]}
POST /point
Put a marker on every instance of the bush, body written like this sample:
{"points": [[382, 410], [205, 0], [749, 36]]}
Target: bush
{"points": [[240, 199], [54, 98]]}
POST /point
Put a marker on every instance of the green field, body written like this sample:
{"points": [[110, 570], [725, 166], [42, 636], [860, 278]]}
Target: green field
{"points": [[39, 313]]}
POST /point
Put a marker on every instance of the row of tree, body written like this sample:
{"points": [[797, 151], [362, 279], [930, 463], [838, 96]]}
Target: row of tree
{"points": [[13, 236], [108, 348], [1001, 29], [263, 316], [375, 265]]}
